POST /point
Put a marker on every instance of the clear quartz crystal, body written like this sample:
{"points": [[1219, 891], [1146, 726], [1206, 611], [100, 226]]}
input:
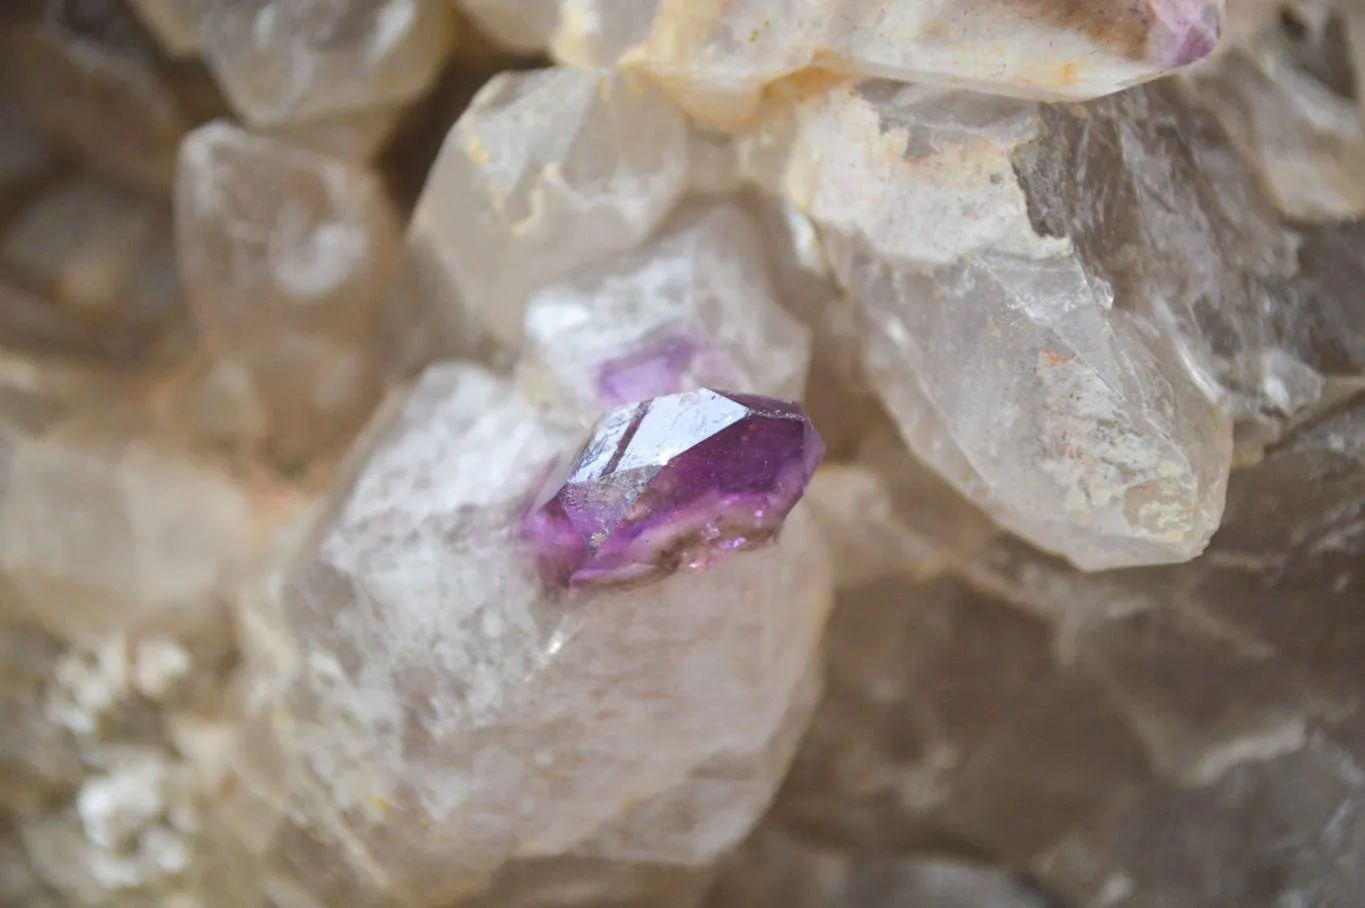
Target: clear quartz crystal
{"points": [[287, 256], [1011, 371], [435, 653], [692, 308], [716, 58], [546, 171], [1168, 216], [299, 60]]}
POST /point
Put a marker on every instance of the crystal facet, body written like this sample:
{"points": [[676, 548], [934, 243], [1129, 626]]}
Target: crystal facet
{"points": [[673, 481], [545, 172], [692, 308]]}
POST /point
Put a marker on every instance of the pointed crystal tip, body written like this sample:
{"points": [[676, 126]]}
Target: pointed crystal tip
{"points": [[676, 481]]}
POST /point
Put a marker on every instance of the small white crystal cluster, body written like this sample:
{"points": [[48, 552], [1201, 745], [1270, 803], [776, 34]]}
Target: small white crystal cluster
{"points": [[271, 632]]}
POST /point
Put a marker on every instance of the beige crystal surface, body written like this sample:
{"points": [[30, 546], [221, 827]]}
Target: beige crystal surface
{"points": [[1289, 98], [93, 81], [124, 531], [272, 629], [175, 22], [547, 171]]}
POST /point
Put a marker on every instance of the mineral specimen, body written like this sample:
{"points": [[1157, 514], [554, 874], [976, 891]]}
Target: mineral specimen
{"points": [[1289, 98], [93, 79], [312, 595], [674, 481], [98, 262]]}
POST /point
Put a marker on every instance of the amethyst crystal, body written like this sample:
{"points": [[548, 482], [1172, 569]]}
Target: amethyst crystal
{"points": [[675, 481], [1182, 32]]}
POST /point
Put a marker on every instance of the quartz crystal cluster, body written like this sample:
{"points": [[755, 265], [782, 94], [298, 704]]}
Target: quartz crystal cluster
{"points": [[682, 454]]}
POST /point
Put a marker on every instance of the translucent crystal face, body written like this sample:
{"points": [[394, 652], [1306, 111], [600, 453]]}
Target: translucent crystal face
{"points": [[675, 481]]}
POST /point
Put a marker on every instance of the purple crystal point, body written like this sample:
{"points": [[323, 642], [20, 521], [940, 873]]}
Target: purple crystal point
{"points": [[675, 481]]}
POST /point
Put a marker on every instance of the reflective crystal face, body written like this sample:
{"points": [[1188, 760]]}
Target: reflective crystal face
{"points": [[677, 481]]}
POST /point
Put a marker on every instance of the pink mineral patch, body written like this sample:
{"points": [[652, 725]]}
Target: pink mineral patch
{"points": [[1183, 31]]}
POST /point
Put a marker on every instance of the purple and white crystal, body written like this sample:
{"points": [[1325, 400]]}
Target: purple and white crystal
{"points": [[675, 481]]}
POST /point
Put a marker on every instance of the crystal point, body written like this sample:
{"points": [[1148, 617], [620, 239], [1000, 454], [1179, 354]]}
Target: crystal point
{"points": [[677, 480]]}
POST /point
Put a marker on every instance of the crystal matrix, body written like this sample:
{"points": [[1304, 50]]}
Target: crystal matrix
{"points": [[308, 597]]}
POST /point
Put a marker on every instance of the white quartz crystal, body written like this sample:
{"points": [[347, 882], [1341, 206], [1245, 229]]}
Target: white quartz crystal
{"points": [[1009, 370], [692, 308], [545, 172]]}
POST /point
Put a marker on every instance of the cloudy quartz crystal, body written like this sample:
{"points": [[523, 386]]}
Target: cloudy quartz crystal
{"points": [[297, 60], [716, 58], [693, 307], [286, 255], [545, 172], [1010, 369], [452, 713]]}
